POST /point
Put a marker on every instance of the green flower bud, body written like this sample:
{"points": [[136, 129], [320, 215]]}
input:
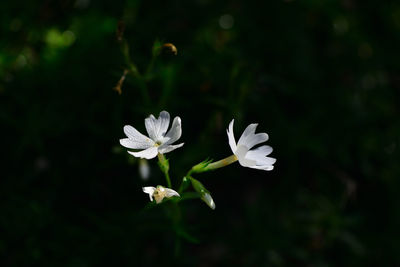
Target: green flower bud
{"points": [[199, 187], [204, 193]]}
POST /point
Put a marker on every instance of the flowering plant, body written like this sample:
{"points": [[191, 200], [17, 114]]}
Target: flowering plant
{"points": [[160, 141]]}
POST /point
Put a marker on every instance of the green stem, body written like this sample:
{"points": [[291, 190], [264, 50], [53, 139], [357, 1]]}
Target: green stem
{"points": [[164, 166], [221, 163], [184, 184], [168, 180]]}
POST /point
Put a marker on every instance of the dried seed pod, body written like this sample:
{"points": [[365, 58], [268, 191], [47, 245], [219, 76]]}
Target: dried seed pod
{"points": [[169, 48], [120, 30]]}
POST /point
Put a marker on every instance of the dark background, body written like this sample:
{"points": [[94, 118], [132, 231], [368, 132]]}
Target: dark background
{"points": [[320, 77]]}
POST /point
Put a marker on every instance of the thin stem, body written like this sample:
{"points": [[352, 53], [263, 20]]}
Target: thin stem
{"points": [[184, 184], [222, 163], [164, 166], [168, 180]]}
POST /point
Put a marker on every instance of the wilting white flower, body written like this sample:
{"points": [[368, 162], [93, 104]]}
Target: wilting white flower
{"points": [[159, 140], [253, 158], [159, 193]]}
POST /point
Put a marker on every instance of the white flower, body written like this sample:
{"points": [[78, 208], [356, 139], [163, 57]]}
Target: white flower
{"points": [[159, 193], [255, 158], [160, 140]]}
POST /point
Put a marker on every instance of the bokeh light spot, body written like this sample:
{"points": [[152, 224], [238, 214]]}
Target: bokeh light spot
{"points": [[226, 21], [57, 39], [340, 25]]}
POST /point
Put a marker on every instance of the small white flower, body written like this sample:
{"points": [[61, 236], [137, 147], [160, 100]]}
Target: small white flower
{"points": [[255, 158], [159, 140], [159, 193]]}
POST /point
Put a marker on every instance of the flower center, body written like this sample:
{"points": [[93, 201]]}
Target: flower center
{"points": [[159, 194]]}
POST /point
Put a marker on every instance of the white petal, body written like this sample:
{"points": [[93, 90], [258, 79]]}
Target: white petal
{"points": [[170, 193], [260, 155], [163, 122], [175, 132], [165, 149], [231, 137], [260, 160], [149, 190], [263, 167], [262, 150], [156, 128], [255, 139], [151, 127], [129, 143], [250, 130], [245, 162], [137, 140], [241, 151], [268, 161], [146, 154]]}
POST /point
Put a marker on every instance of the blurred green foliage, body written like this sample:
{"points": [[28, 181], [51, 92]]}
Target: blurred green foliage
{"points": [[320, 77]]}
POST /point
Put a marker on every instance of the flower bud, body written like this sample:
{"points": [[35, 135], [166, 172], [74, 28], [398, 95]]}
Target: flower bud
{"points": [[208, 200], [199, 187], [204, 193]]}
